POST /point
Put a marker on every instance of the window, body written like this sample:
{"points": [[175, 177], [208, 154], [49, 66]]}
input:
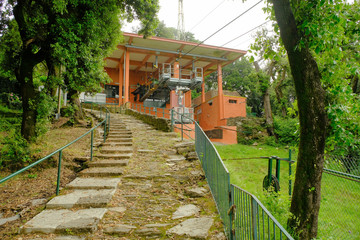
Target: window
{"points": [[112, 91], [232, 101]]}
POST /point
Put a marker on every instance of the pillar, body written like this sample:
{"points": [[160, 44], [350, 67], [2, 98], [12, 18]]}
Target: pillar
{"points": [[127, 76], [121, 77], [220, 93], [203, 91]]}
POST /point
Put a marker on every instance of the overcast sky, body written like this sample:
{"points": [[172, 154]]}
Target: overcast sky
{"points": [[226, 10]]}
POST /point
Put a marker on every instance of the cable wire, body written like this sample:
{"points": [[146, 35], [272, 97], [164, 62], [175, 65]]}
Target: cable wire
{"points": [[207, 15], [245, 33], [223, 27]]}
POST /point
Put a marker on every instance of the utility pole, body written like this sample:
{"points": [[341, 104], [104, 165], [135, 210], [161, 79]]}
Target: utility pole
{"points": [[181, 25]]}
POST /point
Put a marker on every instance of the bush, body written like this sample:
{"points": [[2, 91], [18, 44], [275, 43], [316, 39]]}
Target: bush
{"points": [[287, 130], [15, 152]]}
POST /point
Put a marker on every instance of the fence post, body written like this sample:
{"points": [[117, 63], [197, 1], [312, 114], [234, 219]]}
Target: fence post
{"points": [[100, 110], [182, 128], [254, 213], [109, 123], [59, 174], [105, 131], [155, 112], [172, 119], [163, 112], [92, 144]]}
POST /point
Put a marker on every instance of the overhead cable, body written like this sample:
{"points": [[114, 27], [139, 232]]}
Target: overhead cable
{"points": [[245, 33], [206, 16], [223, 27]]}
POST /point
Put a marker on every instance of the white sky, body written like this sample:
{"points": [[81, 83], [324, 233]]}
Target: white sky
{"points": [[195, 10]]}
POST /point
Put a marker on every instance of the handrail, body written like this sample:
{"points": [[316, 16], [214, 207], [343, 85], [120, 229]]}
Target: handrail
{"points": [[106, 123]]}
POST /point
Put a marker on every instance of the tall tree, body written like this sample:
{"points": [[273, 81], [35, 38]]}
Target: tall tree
{"points": [[305, 202], [75, 34]]}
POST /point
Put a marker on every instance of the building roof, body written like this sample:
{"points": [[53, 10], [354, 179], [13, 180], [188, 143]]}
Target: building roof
{"points": [[143, 53]]}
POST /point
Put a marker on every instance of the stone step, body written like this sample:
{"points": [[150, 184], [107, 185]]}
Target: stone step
{"points": [[119, 139], [120, 130], [116, 150], [109, 163], [64, 221], [101, 172], [119, 134], [116, 144], [115, 136], [89, 198], [94, 183], [116, 156]]}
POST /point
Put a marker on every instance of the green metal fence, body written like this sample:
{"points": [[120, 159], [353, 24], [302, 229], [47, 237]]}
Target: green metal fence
{"points": [[243, 215], [217, 175], [103, 113], [340, 197]]}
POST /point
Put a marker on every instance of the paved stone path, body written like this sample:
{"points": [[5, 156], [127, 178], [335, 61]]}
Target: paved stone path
{"points": [[137, 187]]}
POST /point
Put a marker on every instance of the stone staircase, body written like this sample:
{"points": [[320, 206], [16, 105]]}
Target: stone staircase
{"points": [[83, 203], [141, 184]]}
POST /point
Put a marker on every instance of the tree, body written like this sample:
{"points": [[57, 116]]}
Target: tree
{"points": [[305, 202], [75, 34]]}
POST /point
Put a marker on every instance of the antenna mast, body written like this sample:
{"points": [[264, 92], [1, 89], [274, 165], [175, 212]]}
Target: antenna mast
{"points": [[181, 25]]}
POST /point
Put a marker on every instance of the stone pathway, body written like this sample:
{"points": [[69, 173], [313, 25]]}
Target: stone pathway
{"points": [[137, 187]]}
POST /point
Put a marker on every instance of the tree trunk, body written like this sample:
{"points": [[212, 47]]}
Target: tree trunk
{"points": [[305, 202], [24, 75], [280, 95], [355, 84], [74, 101], [269, 122], [29, 99]]}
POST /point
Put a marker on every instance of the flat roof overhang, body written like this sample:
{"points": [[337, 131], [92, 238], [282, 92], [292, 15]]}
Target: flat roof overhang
{"points": [[143, 53]]}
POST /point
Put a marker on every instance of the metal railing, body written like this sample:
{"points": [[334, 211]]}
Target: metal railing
{"points": [[243, 214], [105, 122], [340, 197]]}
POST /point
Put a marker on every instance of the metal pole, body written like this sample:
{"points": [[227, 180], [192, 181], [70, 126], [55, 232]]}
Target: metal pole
{"points": [[278, 169], [105, 128], [270, 171], [92, 144], [182, 128], [253, 218], [59, 173], [172, 119]]}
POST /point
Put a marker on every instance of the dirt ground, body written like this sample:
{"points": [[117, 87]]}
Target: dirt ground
{"points": [[17, 195]]}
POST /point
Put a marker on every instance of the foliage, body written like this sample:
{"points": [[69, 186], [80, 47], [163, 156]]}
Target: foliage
{"points": [[45, 109], [287, 130], [15, 151], [70, 38]]}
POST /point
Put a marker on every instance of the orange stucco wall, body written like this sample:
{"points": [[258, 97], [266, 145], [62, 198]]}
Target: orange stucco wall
{"points": [[232, 109]]}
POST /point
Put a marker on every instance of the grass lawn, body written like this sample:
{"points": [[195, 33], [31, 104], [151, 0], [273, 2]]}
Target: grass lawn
{"points": [[340, 209]]}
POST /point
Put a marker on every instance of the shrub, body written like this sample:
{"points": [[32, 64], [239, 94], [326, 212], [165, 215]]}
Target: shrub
{"points": [[287, 130], [15, 152]]}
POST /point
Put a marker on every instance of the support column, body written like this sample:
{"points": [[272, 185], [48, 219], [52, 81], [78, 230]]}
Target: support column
{"points": [[220, 93], [121, 76], [127, 76], [203, 91]]}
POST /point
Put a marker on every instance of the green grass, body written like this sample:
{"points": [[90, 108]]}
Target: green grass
{"points": [[249, 173], [340, 209]]}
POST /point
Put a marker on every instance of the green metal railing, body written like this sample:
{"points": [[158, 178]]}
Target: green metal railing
{"points": [[251, 219], [105, 122], [217, 175], [243, 214]]}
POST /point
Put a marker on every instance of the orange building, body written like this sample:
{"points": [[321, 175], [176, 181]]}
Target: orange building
{"points": [[160, 73]]}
